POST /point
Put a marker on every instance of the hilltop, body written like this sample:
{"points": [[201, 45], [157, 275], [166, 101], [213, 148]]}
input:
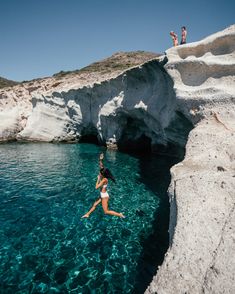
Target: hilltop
{"points": [[119, 61], [96, 72], [6, 83], [182, 100]]}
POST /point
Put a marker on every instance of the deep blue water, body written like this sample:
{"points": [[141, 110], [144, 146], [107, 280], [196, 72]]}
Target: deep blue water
{"points": [[45, 245]]}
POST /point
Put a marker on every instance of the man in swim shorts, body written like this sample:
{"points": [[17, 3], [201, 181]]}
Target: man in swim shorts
{"points": [[183, 35]]}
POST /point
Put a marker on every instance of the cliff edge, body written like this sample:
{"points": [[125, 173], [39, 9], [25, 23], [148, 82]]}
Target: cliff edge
{"points": [[202, 216], [156, 102]]}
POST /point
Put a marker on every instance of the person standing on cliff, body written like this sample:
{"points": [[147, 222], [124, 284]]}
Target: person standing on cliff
{"points": [[183, 35], [174, 38]]}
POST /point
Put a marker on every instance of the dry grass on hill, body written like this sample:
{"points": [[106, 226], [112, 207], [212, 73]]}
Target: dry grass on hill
{"points": [[6, 83], [117, 62]]}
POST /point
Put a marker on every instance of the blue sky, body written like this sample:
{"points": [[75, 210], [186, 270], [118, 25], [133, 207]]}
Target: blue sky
{"points": [[41, 37]]}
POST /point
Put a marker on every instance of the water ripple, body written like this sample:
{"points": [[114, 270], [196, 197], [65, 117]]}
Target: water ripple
{"points": [[45, 245]]}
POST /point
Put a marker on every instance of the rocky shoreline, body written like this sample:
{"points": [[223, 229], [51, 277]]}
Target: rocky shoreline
{"points": [[156, 102], [202, 200]]}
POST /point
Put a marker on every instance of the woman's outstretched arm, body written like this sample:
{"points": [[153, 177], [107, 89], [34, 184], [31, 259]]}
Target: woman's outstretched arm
{"points": [[101, 164]]}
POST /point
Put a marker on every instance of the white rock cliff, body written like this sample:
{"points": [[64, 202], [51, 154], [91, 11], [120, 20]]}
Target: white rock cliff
{"points": [[200, 258], [193, 85]]}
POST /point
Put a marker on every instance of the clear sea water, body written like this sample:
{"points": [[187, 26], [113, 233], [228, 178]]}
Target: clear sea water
{"points": [[45, 246]]}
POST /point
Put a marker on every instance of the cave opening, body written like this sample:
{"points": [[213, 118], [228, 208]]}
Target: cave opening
{"points": [[90, 138], [155, 163], [141, 144], [133, 138], [90, 135]]}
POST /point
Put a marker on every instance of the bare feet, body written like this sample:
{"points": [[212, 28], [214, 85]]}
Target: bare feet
{"points": [[122, 216], [85, 215]]}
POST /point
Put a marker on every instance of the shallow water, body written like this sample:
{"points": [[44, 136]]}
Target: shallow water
{"points": [[45, 245]]}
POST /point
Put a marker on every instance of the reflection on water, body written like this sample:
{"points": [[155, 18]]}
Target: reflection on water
{"points": [[45, 245]]}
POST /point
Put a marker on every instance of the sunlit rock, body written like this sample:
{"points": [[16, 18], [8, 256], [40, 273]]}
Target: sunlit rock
{"points": [[202, 214], [152, 105]]}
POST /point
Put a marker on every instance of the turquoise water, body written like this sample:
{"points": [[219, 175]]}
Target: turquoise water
{"points": [[45, 245]]}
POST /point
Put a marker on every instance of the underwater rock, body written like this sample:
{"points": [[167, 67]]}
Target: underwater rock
{"points": [[154, 104]]}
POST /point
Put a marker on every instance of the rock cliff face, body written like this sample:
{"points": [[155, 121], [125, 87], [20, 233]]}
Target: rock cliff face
{"points": [[123, 106], [202, 221], [157, 102]]}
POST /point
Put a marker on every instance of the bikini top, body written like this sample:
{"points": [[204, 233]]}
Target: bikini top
{"points": [[104, 186]]}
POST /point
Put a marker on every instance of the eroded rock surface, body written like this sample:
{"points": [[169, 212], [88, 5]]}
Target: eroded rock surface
{"points": [[156, 102], [200, 258], [119, 107]]}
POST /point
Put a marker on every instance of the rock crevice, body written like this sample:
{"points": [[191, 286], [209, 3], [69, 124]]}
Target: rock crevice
{"points": [[199, 259], [138, 104], [157, 103], [212, 270]]}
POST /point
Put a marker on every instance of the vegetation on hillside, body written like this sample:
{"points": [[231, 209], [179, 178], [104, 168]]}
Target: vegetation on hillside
{"points": [[119, 61], [6, 83]]}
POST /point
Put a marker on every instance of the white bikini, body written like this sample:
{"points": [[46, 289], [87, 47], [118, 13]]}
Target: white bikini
{"points": [[104, 194]]}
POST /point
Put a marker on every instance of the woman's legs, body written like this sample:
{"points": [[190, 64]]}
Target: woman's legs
{"points": [[92, 209], [106, 209]]}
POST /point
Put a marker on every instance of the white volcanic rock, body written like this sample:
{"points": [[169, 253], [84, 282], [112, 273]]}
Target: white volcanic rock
{"points": [[9, 124], [204, 73], [200, 258], [142, 95], [46, 116], [160, 99]]}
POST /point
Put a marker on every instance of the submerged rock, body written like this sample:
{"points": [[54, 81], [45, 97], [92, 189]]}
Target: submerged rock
{"points": [[149, 106], [140, 212]]}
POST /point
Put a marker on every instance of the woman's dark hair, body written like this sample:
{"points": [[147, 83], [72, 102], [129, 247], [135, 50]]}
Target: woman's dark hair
{"points": [[183, 27], [107, 174]]}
